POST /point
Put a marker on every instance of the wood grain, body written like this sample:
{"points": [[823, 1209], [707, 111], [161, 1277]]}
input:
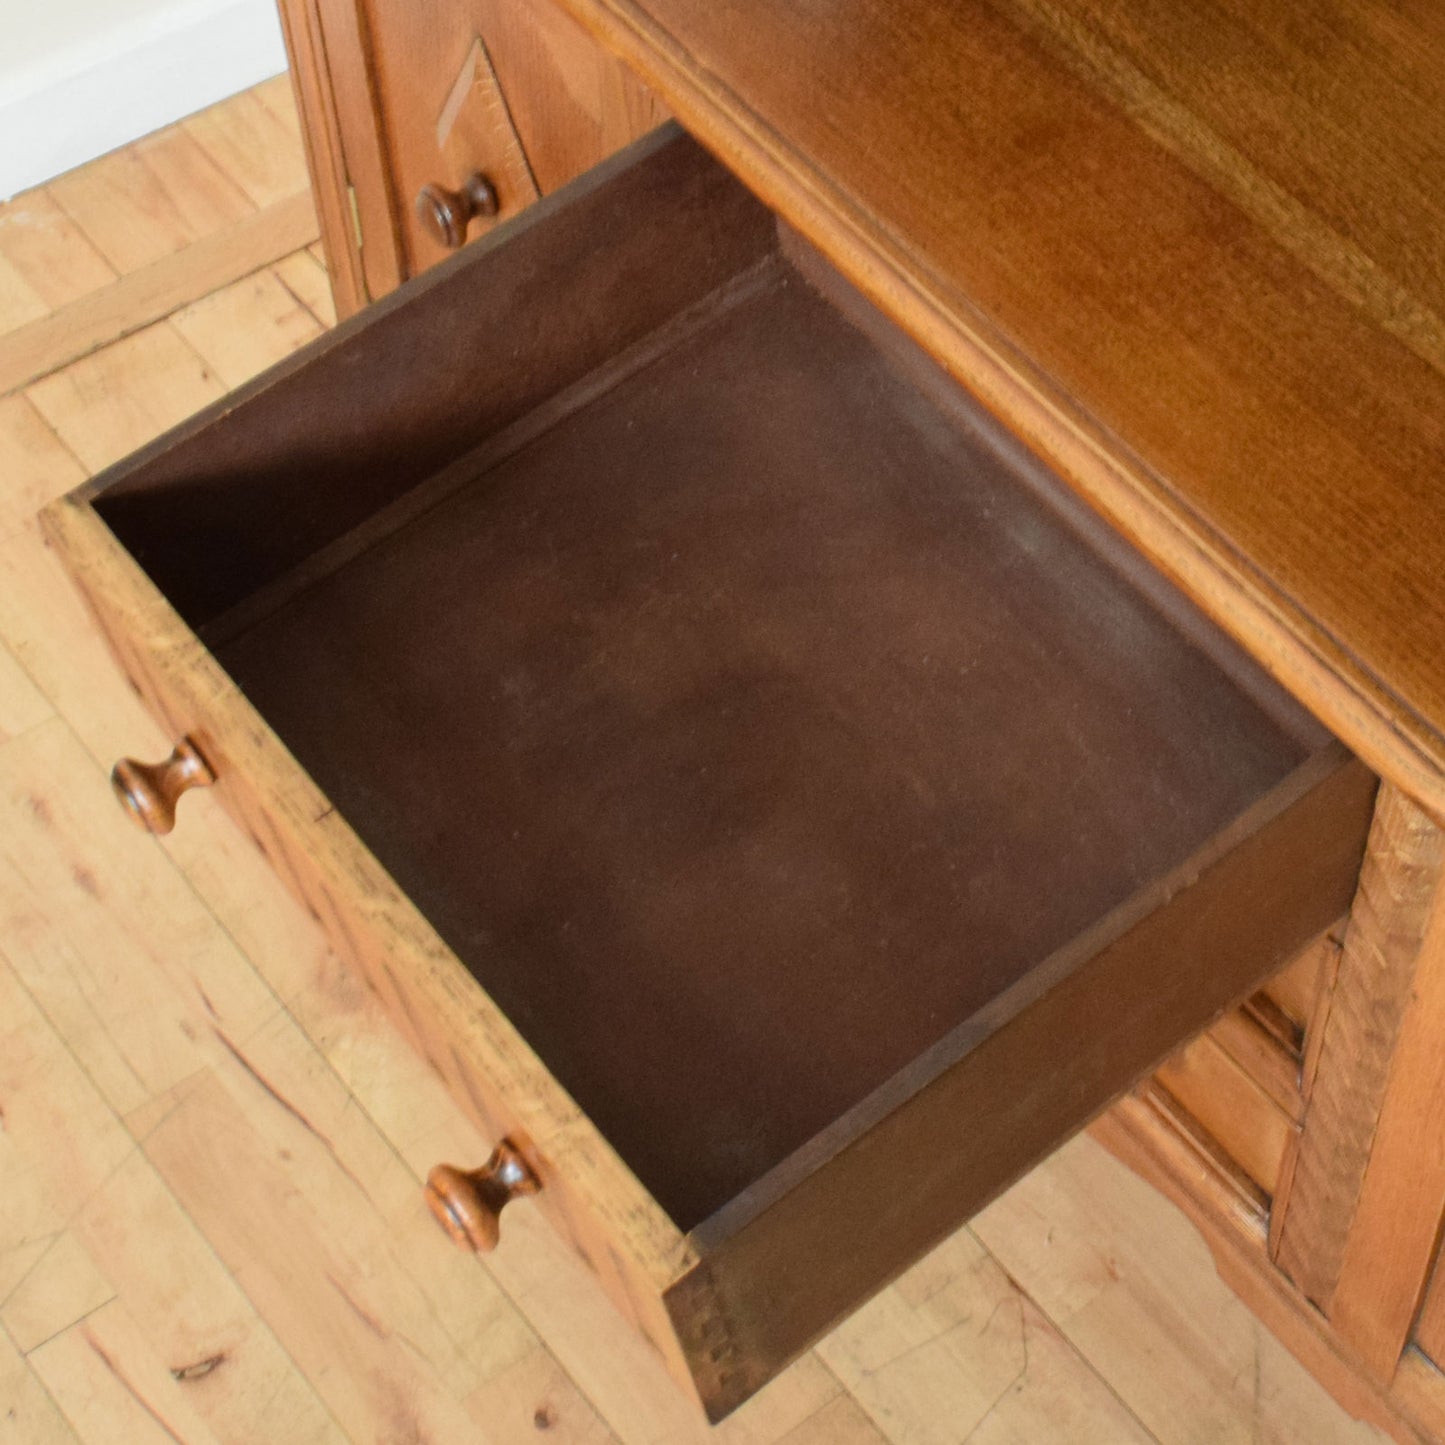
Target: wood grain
{"points": [[1281, 137], [89, 407], [334, 67], [1089, 1243], [150, 200], [22, 704], [1395, 1233], [243, 327], [953, 1327], [253, 140], [155, 290], [32, 1416], [46, 260], [1296, 989], [38, 465], [305, 278], [1271, 1062], [125, 1240], [1382, 951]]}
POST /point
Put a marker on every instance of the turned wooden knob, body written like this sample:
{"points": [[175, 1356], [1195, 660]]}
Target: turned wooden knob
{"points": [[447, 214], [149, 791], [468, 1205]]}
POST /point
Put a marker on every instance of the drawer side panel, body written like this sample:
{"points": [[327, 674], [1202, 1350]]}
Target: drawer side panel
{"points": [[776, 1277]]}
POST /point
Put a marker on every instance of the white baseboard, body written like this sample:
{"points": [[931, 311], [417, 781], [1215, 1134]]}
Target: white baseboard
{"points": [[117, 82]]}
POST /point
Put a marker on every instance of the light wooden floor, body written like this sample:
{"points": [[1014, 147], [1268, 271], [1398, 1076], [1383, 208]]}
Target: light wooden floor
{"points": [[210, 1143]]}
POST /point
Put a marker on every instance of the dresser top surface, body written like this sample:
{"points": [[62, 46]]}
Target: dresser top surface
{"points": [[1193, 254]]}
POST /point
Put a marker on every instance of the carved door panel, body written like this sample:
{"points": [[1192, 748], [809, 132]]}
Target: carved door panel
{"points": [[513, 90], [398, 96]]}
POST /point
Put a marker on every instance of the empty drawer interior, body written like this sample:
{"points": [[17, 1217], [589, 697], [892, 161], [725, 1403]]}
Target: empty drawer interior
{"points": [[743, 708]]}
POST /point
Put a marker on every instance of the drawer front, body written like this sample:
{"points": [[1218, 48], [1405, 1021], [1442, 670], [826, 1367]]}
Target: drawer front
{"points": [[645, 301], [587, 1194], [1232, 1110], [1239, 1092]]}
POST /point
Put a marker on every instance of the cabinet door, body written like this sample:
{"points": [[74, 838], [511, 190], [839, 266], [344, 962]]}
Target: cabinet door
{"points": [[511, 89], [398, 95], [331, 69]]}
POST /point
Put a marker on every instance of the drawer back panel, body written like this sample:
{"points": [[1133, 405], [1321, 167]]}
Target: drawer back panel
{"points": [[284, 466]]}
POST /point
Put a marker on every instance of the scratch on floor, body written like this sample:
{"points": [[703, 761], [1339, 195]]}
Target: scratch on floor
{"points": [[365, 1316], [1017, 1382], [289, 1107]]}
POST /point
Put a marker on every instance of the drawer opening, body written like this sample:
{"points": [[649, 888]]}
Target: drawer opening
{"points": [[742, 706]]}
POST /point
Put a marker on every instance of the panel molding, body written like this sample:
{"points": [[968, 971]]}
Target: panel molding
{"points": [[1382, 946]]}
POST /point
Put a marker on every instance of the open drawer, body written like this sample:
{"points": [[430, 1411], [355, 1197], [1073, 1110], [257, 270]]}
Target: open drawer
{"points": [[779, 811]]}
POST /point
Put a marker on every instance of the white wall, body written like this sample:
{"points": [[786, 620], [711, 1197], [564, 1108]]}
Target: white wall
{"points": [[81, 77]]}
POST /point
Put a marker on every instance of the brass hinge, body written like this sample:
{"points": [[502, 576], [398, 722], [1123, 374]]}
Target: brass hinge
{"points": [[355, 215]]}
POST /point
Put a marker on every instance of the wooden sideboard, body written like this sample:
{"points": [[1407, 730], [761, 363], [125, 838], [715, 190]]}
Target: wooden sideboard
{"points": [[1194, 261]]}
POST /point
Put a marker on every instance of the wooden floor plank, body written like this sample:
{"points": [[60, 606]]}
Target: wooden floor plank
{"points": [[20, 303], [109, 403], [35, 464], [1131, 1285], [177, 1031], [150, 199], [240, 329], [253, 145], [954, 1351], [29, 1416], [278, 95], [97, 1190], [536, 1399], [306, 279], [22, 704], [133, 972], [32, 1221], [842, 1421], [155, 290], [45, 625], [359, 1336], [196, 1318], [49, 251], [61, 1289], [104, 1375]]}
